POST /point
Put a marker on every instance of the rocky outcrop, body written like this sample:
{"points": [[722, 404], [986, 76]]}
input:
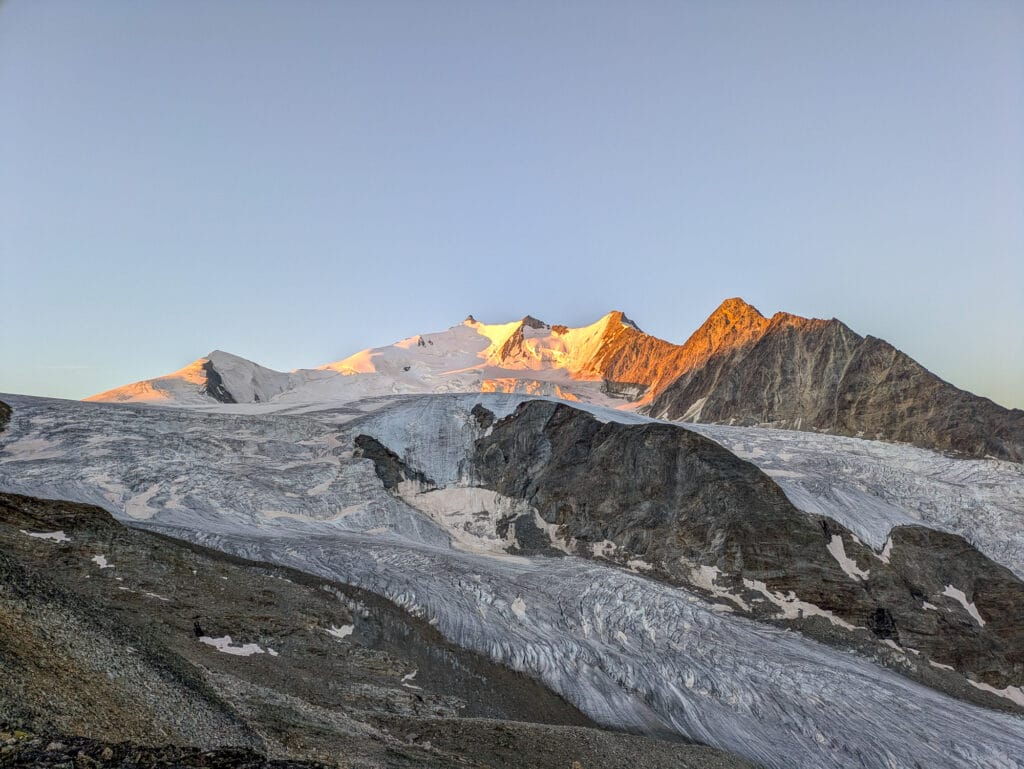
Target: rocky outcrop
{"points": [[112, 638], [214, 386], [5, 415], [808, 374], [680, 507]]}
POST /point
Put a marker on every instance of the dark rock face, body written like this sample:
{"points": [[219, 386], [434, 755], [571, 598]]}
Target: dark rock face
{"points": [[215, 385], [5, 415], [533, 322], [389, 467], [679, 502], [484, 417], [819, 375]]}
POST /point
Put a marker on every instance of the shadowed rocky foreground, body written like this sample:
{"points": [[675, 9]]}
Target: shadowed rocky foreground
{"points": [[127, 648]]}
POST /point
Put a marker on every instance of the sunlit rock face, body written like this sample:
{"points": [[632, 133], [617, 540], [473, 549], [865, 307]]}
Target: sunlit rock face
{"points": [[426, 516], [804, 374]]}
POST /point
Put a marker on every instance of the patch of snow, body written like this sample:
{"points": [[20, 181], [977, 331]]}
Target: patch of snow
{"points": [[848, 565], [693, 412], [706, 577], [1012, 693], [52, 536], [407, 681], [101, 561], [604, 548], [340, 632], [960, 597], [886, 553], [793, 608], [226, 645]]}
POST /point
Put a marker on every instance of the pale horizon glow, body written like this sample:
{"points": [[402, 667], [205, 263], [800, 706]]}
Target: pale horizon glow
{"points": [[294, 182]]}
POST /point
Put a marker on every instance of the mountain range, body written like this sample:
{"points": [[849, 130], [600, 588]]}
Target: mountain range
{"points": [[739, 368], [520, 544]]}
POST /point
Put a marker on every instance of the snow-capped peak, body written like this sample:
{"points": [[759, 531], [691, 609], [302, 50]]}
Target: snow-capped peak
{"points": [[525, 355], [218, 376]]}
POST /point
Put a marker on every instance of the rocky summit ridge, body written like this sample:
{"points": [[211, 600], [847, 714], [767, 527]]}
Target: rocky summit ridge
{"points": [[739, 367]]}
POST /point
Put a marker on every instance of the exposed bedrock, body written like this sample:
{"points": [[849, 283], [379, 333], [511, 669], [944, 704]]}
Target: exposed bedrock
{"points": [[679, 507], [810, 374]]}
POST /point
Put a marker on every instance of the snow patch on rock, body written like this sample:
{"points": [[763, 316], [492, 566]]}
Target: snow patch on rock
{"points": [[340, 632], [52, 536], [961, 597], [838, 551], [226, 645]]}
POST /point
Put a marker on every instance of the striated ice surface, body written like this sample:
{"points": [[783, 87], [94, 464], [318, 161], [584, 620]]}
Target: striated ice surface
{"points": [[872, 486], [634, 653], [283, 486]]}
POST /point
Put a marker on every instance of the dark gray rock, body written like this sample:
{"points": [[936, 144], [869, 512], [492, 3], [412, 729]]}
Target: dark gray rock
{"points": [[806, 374], [678, 501], [214, 386], [389, 466]]}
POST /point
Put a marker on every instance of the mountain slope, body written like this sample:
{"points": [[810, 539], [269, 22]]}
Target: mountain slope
{"points": [[219, 377], [123, 635], [810, 374]]}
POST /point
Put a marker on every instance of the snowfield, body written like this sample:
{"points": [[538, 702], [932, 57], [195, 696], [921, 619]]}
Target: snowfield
{"points": [[280, 483]]}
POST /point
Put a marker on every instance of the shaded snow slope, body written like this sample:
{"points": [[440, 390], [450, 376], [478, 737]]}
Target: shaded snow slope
{"points": [[282, 484]]}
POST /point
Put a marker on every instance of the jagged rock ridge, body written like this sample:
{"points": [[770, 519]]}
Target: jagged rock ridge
{"points": [[810, 374]]}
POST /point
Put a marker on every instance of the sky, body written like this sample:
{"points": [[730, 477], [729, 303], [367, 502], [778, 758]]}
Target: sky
{"points": [[296, 181]]}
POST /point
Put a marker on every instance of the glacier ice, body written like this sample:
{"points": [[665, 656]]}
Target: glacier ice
{"points": [[282, 485]]}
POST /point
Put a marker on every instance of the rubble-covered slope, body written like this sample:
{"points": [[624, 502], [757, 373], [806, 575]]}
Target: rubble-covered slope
{"points": [[121, 635]]}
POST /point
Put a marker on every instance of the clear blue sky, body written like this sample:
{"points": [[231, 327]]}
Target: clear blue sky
{"points": [[294, 181]]}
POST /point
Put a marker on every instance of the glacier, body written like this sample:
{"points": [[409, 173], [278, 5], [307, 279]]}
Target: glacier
{"points": [[280, 483]]}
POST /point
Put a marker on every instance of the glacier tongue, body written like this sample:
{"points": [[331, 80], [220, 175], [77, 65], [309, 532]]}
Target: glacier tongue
{"points": [[636, 654], [285, 487]]}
